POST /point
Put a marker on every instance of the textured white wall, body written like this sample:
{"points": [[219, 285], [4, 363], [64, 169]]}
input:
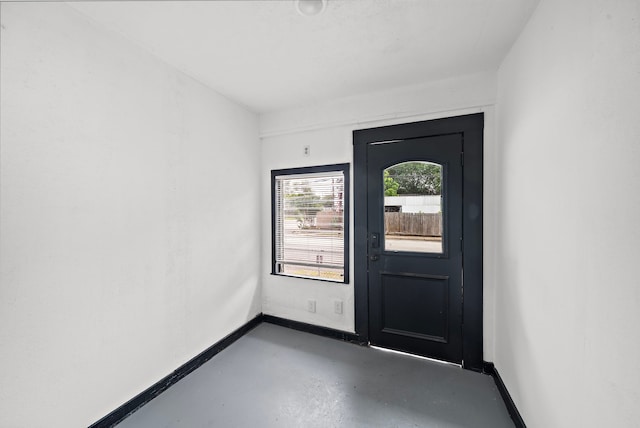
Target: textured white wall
{"points": [[568, 297], [327, 129], [404, 104], [120, 261]]}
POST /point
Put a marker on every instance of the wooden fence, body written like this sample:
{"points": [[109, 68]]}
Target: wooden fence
{"points": [[413, 224]]}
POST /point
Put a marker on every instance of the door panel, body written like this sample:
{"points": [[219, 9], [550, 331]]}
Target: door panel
{"points": [[415, 306], [415, 257]]}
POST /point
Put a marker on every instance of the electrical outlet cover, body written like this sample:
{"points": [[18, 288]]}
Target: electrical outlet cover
{"points": [[337, 306], [311, 305]]}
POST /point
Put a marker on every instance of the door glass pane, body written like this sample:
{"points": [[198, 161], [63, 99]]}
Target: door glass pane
{"points": [[413, 207]]}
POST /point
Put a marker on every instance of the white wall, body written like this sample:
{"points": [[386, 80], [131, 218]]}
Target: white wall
{"points": [[568, 297], [327, 129], [416, 204], [119, 262]]}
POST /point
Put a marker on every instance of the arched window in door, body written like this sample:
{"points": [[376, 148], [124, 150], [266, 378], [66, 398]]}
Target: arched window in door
{"points": [[413, 207]]}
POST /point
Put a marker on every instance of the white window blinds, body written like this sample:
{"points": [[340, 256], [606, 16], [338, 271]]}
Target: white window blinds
{"points": [[309, 224]]}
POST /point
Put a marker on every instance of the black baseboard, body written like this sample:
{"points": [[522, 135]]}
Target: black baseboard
{"points": [[489, 368], [314, 329], [119, 414]]}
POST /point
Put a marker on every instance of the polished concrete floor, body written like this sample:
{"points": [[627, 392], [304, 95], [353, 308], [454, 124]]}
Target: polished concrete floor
{"points": [[278, 377]]}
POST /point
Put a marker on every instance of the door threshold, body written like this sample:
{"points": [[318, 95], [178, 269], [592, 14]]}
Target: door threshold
{"points": [[420, 357]]}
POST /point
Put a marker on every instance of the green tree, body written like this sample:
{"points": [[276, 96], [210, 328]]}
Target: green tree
{"points": [[390, 185], [416, 178], [304, 204]]}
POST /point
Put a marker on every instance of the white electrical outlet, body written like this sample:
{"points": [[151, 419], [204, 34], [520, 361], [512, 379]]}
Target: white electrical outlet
{"points": [[311, 305], [306, 150], [337, 306]]}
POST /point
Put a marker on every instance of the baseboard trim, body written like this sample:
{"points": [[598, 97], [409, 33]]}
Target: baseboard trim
{"points": [[119, 414], [122, 412], [490, 369], [314, 329]]}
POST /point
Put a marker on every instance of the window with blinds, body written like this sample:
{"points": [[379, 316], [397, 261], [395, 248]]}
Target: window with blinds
{"points": [[310, 222]]}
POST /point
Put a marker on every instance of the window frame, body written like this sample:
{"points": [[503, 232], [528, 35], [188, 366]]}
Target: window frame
{"points": [[345, 169]]}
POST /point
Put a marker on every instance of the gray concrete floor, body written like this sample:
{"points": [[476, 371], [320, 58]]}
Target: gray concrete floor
{"points": [[278, 377]]}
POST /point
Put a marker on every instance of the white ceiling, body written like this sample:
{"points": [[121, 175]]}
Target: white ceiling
{"points": [[266, 56]]}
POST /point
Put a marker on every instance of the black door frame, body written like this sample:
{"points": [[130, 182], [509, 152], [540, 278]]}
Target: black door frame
{"points": [[471, 128]]}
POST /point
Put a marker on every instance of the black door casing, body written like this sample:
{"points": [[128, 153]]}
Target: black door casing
{"points": [[448, 325]]}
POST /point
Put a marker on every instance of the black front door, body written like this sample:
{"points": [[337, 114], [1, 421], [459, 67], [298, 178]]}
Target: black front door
{"points": [[418, 238], [415, 253]]}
